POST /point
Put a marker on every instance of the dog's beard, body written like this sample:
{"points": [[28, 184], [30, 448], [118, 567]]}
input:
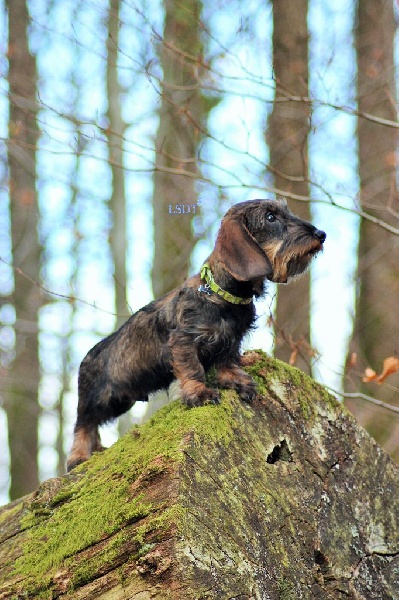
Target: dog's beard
{"points": [[299, 264], [285, 271]]}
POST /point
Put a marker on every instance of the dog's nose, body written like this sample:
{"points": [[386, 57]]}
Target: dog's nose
{"points": [[320, 235]]}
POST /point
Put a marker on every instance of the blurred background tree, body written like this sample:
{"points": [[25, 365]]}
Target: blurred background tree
{"points": [[376, 332], [287, 135], [182, 121], [128, 129], [117, 202], [23, 374]]}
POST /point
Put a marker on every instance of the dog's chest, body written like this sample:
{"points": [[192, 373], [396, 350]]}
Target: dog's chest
{"points": [[229, 328], [224, 331]]}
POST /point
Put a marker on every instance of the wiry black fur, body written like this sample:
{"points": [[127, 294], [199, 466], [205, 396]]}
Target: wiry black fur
{"points": [[186, 332]]}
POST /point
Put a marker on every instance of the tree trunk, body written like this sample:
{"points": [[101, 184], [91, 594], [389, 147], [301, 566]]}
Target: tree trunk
{"points": [[117, 203], [116, 130], [288, 140], [179, 133], [287, 498], [376, 327], [182, 117], [24, 373]]}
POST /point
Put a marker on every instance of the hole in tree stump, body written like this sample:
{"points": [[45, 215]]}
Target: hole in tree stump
{"points": [[279, 452]]}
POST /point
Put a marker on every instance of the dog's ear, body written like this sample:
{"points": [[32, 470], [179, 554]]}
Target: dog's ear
{"points": [[240, 253]]}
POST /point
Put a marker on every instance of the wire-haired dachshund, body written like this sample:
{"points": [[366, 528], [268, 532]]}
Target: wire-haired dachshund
{"points": [[196, 326]]}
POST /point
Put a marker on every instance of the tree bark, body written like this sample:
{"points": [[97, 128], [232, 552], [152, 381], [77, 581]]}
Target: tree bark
{"points": [[376, 327], [179, 133], [182, 118], [116, 130], [287, 498], [287, 137], [24, 373], [117, 202]]}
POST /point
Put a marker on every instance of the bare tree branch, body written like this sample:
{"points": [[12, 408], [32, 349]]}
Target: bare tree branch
{"points": [[394, 409], [56, 294]]}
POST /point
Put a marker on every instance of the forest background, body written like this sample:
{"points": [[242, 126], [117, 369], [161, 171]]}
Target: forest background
{"points": [[129, 128]]}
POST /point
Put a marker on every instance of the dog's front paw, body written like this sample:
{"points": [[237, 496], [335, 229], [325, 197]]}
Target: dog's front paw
{"points": [[201, 397], [210, 396], [236, 379], [247, 392]]}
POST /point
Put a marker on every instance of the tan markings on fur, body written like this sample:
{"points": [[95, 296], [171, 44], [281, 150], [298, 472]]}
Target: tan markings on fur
{"points": [[278, 263], [190, 387], [271, 250], [85, 442], [229, 377]]}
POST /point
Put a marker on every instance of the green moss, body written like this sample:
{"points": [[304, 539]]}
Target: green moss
{"points": [[102, 561], [74, 526], [175, 420], [269, 372], [155, 527], [65, 494], [7, 513], [286, 590], [96, 499], [145, 549], [84, 572], [93, 504]]}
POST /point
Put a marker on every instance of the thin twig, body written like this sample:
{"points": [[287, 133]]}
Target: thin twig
{"points": [[57, 295], [390, 407]]}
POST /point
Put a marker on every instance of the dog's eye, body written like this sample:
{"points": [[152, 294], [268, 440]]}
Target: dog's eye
{"points": [[270, 217]]}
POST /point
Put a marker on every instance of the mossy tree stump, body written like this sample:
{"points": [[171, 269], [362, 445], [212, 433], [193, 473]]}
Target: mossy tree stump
{"points": [[283, 500]]}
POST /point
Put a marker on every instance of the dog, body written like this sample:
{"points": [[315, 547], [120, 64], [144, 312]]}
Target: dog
{"points": [[196, 326]]}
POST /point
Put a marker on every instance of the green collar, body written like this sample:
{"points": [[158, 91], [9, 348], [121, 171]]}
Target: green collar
{"points": [[206, 274]]}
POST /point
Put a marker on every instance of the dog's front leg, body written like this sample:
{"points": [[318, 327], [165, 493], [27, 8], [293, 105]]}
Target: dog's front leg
{"points": [[189, 371]]}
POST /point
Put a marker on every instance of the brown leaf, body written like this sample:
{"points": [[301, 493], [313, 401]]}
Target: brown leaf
{"points": [[352, 360], [389, 366], [270, 321], [369, 375], [293, 357]]}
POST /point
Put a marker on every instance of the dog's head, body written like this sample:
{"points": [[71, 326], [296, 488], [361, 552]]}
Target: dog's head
{"points": [[261, 239]]}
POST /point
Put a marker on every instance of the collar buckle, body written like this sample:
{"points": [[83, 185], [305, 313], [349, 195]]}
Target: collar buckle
{"points": [[206, 289]]}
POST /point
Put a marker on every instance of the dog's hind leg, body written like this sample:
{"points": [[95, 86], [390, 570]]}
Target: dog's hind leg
{"points": [[86, 440], [98, 403]]}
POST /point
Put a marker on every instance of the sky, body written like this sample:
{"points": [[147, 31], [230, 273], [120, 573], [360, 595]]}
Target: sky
{"points": [[68, 38]]}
